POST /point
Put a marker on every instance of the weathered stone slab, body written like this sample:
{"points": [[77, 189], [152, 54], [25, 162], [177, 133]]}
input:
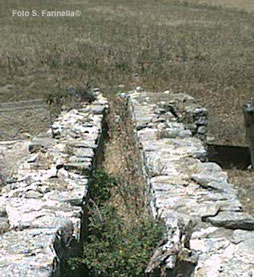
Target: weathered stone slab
{"points": [[233, 220], [81, 167], [81, 144]]}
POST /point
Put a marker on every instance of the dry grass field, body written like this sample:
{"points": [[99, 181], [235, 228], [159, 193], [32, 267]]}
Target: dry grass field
{"points": [[183, 46], [245, 5]]}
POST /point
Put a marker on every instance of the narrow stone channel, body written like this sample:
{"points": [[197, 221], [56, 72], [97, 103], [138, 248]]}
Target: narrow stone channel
{"points": [[121, 165], [182, 184], [149, 159]]}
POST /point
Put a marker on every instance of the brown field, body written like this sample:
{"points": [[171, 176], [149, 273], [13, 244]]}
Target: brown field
{"points": [[183, 46], [246, 5]]}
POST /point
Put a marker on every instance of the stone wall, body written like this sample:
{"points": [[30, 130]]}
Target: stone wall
{"points": [[208, 233], [41, 206]]}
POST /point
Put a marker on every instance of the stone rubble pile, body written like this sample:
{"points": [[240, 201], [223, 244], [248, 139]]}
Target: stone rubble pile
{"points": [[40, 206], [186, 190]]}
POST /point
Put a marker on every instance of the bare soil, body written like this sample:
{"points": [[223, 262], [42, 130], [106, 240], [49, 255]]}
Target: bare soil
{"points": [[19, 120], [243, 181], [12, 153]]}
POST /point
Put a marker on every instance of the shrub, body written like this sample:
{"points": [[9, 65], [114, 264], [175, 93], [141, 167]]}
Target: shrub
{"points": [[117, 245]]}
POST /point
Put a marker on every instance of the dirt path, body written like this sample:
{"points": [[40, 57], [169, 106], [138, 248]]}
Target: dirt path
{"points": [[12, 153], [19, 118], [18, 122]]}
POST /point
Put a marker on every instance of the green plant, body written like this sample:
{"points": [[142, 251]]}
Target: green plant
{"points": [[100, 186], [115, 249], [117, 245]]}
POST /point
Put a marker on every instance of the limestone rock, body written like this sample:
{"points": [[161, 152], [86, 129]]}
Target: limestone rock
{"points": [[204, 179], [33, 194], [34, 147], [3, 212], [33, 158], [81, 167], [233, 220], [4, 225], [98, 109]]}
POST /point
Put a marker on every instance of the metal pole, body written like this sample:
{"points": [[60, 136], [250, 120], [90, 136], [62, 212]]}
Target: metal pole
{"points": [[248, 111]]}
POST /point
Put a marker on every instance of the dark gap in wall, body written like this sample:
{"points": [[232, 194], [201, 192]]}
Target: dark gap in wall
{"points": [[229, 156]]}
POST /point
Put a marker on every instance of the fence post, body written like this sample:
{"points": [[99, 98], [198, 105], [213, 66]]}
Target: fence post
{"points": [[248, 111]]}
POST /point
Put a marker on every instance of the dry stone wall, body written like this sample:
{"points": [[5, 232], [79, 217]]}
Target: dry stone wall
{"points": [[41, 206], [208, 233]]}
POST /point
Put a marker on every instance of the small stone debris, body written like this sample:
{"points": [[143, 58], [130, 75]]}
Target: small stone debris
{"points": [[35, 147]]}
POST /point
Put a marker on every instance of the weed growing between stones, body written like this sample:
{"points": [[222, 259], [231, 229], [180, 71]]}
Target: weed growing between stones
{"points": [[118, 244]]}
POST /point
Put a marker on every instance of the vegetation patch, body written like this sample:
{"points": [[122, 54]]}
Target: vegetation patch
{"points": [[121, 240], [69, 98]]}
